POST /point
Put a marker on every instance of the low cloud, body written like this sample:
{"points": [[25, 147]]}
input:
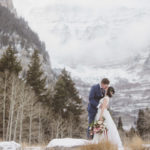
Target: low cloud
{"points": [[89, 32]]}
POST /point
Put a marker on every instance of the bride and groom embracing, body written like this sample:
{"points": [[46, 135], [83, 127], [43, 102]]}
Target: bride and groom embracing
{"points": [[101, 125]]}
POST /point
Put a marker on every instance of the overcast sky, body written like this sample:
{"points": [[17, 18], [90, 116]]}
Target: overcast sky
{"points": [[89, 32]]}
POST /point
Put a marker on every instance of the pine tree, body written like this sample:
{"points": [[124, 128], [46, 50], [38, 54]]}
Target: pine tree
{"points": [[67, 107], [132, 131], [9, 62], [120, 124], [35, 77], [66, 99], [147, 123], [141, 123]]}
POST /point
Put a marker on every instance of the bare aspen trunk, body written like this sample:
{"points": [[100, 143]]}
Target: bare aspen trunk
{"points": [[10, 112], [21, 115], [8, 124], [58, 123], [70, 126], [4, 105], [57, 130], [39, 136], [16, 124], [8, 128], [13, 97], [21, 120], [52, 131], [61, 132], [30, 125]]}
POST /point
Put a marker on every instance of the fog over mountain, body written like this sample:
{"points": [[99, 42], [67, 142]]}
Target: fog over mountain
{"points": [[95, 39], [89, 32]]}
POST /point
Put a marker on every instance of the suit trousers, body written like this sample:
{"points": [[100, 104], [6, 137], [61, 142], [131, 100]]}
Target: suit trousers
{"points": [[91, 118]]}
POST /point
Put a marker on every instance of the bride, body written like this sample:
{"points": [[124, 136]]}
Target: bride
{"points": [[112, 133]]}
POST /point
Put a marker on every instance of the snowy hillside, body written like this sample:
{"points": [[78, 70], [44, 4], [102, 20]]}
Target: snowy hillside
{"points": [[18, 34], [130, 79]]}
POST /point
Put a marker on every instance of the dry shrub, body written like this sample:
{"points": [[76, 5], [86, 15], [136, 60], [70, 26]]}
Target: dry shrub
{"points": [[136, 143], [105, 145]]}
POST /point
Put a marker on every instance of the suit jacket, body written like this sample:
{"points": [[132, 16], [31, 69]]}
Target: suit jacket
{"points": [[96, 93]]}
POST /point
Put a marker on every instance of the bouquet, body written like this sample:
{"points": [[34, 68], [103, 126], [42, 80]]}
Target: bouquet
{"points": [[98, 127]]}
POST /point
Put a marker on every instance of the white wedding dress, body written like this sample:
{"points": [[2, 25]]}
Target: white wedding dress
{"points": [[112, 133]]}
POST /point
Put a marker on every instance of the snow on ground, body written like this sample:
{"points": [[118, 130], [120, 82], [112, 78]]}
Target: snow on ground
{"points": [[146, 145], [10, 146], [67, 142], [32, 148]]}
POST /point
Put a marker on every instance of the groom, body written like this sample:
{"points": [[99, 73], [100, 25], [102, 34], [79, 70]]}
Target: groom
{"points": [[97, 92]]}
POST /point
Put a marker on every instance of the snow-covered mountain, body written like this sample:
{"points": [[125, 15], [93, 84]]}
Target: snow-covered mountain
{"points": [[130, 79], [93, 39], [15, 31]]}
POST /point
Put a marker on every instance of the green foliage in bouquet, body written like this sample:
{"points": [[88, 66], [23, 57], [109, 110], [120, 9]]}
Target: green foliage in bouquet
{"points": [[98, 127]]}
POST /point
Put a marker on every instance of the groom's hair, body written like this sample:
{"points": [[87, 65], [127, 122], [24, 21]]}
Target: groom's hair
{"points": [[105, 81]]}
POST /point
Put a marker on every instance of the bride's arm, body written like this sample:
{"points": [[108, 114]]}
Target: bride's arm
{"points": [[104, 106]]}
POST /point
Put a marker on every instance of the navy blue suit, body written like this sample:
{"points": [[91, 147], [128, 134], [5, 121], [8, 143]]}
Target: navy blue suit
{"points": [[96, 93]]}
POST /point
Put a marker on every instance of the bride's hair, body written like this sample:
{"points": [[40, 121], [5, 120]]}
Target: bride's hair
{"points": [[109, 90]]}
